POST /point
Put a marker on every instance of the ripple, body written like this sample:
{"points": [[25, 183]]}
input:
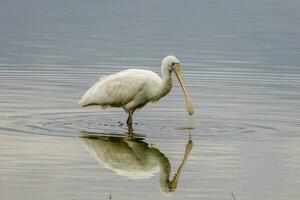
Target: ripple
{"points": [[72, 124]]}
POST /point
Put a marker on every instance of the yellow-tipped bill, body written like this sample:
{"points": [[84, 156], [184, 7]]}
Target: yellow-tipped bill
{"points": [[189, 106]]}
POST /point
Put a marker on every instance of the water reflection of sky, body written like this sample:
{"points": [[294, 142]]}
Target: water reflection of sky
{"points": [[241, 66]]}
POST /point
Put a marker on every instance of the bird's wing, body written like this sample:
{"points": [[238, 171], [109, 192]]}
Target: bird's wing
{"points": [[115, 90]]}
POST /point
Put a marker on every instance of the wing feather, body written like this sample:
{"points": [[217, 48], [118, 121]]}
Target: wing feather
{"points": [[115, 90]]}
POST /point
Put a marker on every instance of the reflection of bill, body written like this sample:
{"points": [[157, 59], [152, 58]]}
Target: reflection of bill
{"points": [[134, 158]]}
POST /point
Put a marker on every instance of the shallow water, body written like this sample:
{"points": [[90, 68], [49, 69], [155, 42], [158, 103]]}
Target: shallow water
{"points": [[241, 67]]}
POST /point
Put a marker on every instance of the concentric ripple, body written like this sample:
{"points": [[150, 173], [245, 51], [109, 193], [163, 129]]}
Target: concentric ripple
{"points": [[72, 124]]}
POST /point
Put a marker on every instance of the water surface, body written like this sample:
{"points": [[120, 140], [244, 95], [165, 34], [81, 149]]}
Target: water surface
{"points": [[240, 62]]}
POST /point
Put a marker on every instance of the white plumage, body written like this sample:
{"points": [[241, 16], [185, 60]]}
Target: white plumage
{"points": [[134, 88], [120, 89]]}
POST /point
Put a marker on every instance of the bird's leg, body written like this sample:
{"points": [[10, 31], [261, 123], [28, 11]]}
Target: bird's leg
{"points": [[130, 130], [129, 119], [129, 123]]}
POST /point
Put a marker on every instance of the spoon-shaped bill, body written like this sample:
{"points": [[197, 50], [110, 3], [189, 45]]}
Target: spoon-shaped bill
{"points": [[189, 105]]}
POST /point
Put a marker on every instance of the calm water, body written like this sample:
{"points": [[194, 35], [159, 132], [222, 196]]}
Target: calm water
{"points": [[241, 66]]}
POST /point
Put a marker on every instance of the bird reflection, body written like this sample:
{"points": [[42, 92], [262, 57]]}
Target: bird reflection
{"points": [[134, 158]]}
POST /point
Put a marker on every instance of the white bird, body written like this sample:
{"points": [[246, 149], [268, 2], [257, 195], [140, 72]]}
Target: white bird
{"points": [[132, 89]]}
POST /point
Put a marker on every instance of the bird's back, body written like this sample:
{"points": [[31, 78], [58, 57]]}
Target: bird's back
{"points": [[119, 89]]}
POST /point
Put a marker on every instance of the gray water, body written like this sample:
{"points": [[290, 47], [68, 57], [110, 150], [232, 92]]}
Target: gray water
{"points": [[240, 62]]}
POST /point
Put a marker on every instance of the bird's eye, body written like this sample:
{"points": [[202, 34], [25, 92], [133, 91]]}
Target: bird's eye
{"points": [[172, 67]]}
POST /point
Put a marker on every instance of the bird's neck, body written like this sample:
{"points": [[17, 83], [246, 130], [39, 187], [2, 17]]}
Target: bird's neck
{"points": [[166, 83], [165, 170]]}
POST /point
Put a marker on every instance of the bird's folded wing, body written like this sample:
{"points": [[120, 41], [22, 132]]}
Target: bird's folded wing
{"points": [[115, 90]]}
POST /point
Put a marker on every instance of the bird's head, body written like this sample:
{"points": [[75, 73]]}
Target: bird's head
{"points": [[172, 64]]}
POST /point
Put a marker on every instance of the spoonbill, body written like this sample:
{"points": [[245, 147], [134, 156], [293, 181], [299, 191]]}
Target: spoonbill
{"points": [[132, 89]]}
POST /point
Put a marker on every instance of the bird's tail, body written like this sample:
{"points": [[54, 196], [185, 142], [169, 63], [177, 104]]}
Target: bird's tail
{"points": [[86, 99], [82, 102], [91, 97]]}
